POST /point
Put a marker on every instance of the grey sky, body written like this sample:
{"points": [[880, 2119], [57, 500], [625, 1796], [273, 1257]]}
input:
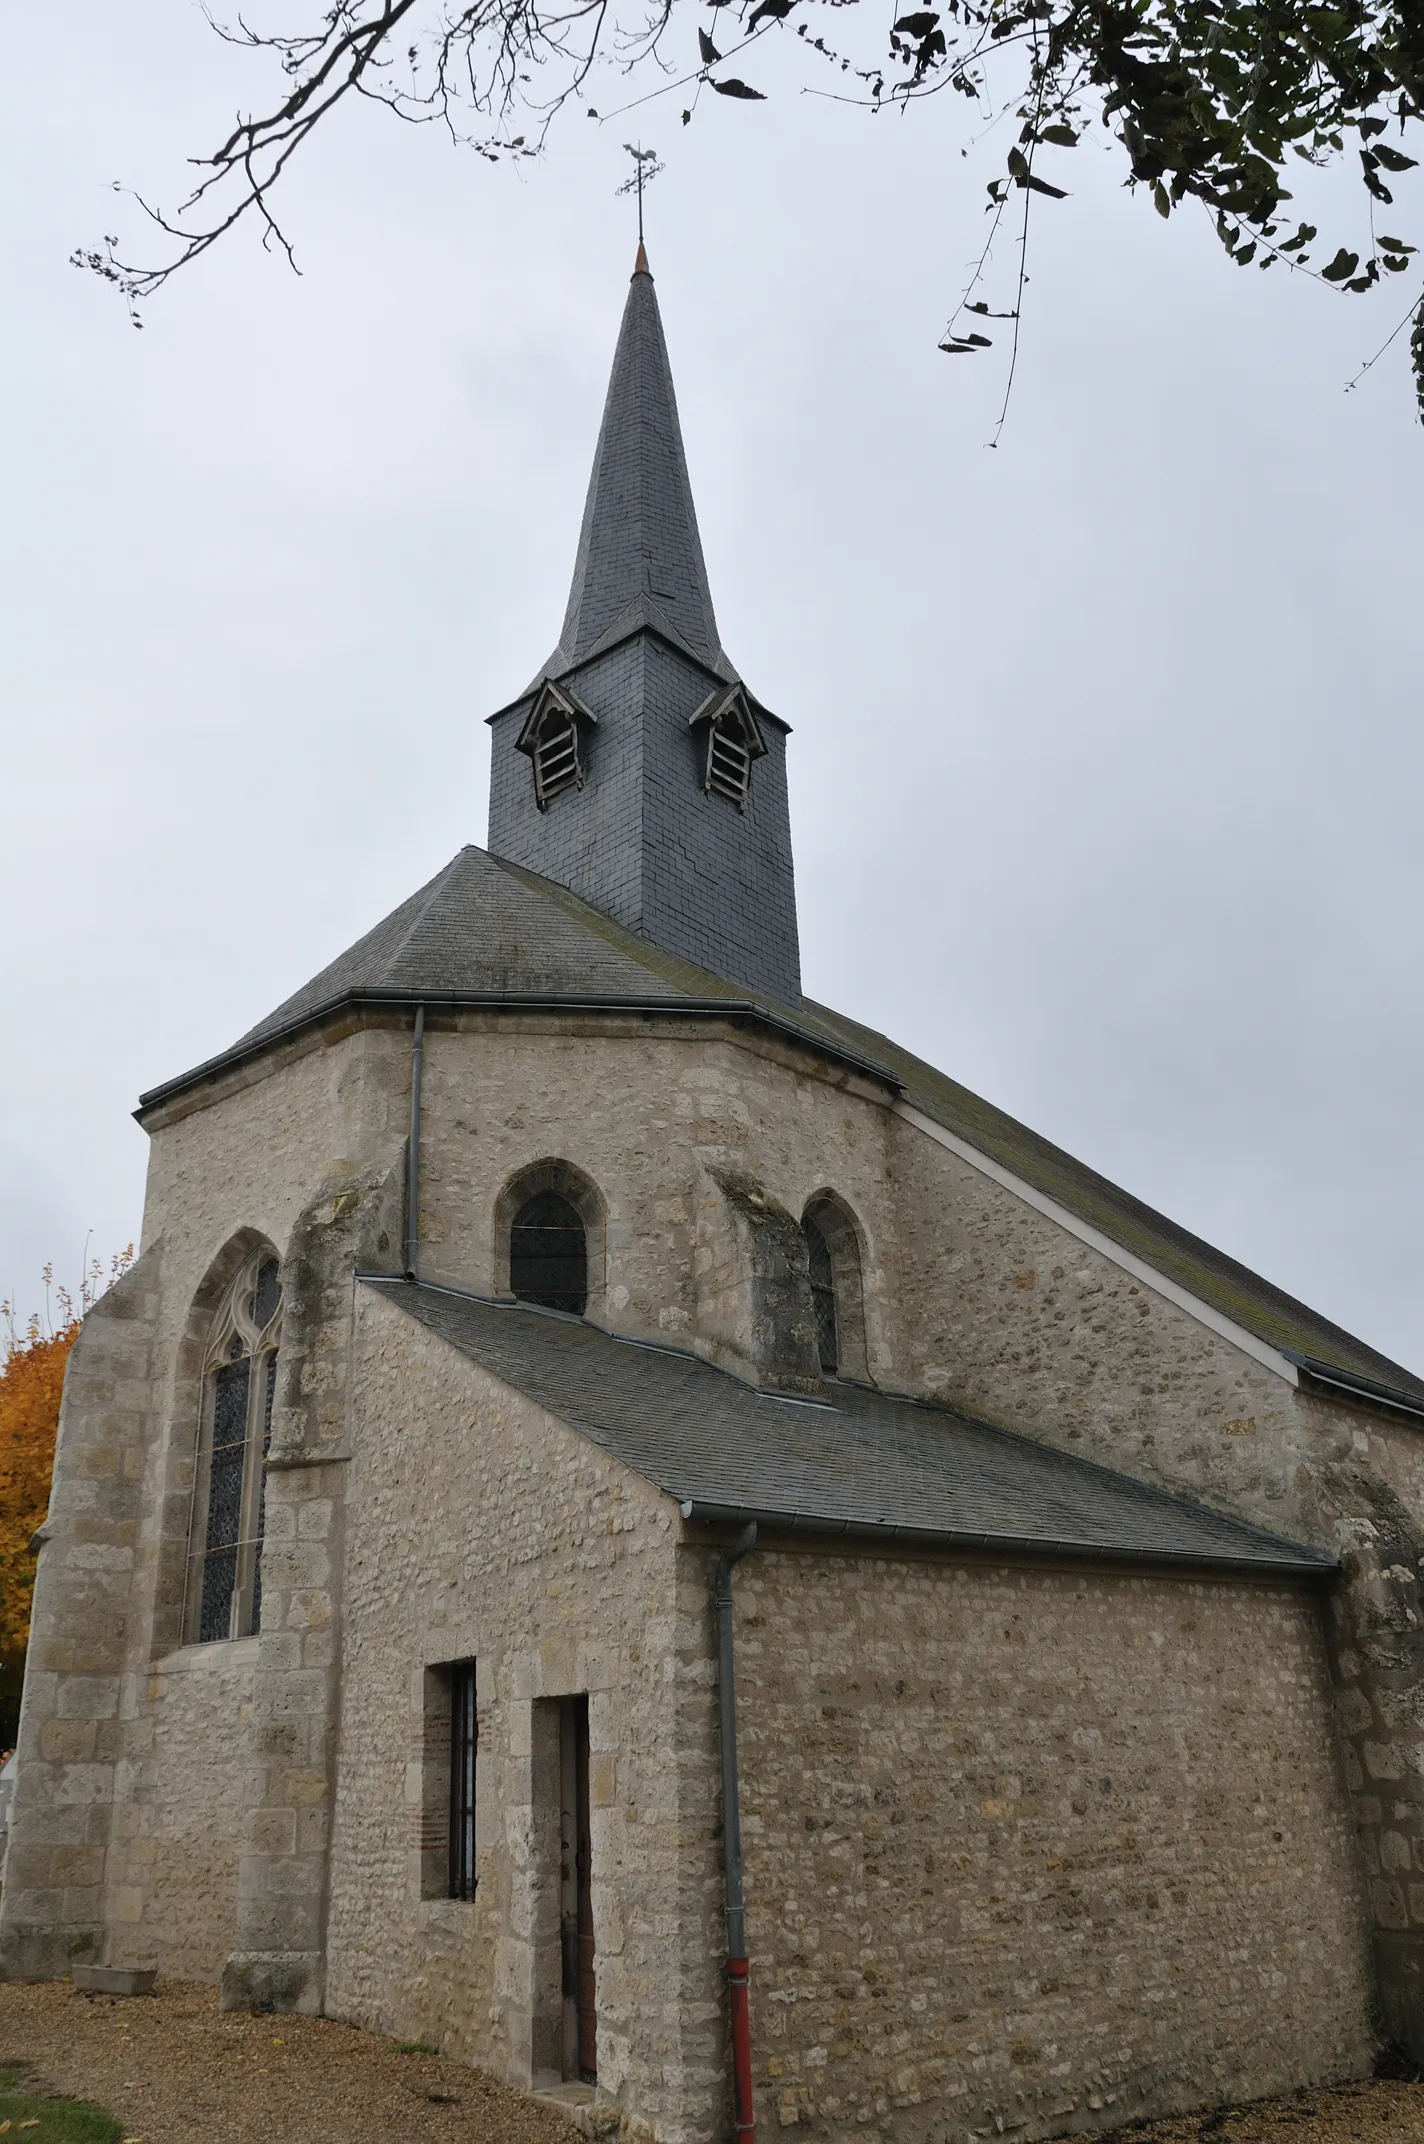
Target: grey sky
{"points": [[1106, 756]]}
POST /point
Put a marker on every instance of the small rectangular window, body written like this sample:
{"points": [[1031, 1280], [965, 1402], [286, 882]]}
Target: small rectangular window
{"points": [[464, 1741]]}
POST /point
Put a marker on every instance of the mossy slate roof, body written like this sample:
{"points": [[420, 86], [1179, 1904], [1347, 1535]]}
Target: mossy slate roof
{"points": [[863, 1463], [488, 932]]}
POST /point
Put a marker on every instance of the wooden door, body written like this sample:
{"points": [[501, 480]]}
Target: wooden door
{"points": [[580, 1980]]}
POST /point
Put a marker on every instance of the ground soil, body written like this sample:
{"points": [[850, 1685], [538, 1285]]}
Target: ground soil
{"points": [[1376, 2113], [175, 2069]]}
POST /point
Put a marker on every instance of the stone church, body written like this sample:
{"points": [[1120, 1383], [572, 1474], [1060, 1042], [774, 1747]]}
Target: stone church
{"points": [[625, 1526]]}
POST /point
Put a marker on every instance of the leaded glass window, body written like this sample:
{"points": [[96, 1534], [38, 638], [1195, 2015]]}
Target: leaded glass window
{"points": [[823, 1296], [239, 1384], [548, 1254]]}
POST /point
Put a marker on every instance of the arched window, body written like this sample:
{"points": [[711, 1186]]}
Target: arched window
{"points": [[833, 1260], [548, 1254], [239, 1380]]}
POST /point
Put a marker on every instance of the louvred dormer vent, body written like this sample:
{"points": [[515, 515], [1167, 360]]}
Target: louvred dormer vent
{"points": [[732, 742], [554, 737]]}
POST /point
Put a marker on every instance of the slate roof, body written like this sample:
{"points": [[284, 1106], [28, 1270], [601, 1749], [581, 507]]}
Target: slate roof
{"points": [[484, 931], [866, 1464], [639, 557]]}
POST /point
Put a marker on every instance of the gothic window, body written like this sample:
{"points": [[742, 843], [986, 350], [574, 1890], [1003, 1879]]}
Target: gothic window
{"points": [[548, 1254], [833, 1263], [553, 738], [239, 1381]]}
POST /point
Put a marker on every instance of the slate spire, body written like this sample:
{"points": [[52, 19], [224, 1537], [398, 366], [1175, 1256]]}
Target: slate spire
{"points": [[637, 769], [639, 555]]}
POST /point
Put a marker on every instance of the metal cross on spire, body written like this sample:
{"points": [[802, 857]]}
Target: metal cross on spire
{"points": [[645, 169]]}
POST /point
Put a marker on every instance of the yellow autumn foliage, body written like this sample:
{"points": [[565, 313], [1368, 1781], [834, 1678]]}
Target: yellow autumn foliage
{"points": [[30, 1387]]}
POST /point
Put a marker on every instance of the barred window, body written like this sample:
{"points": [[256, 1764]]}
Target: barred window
{"points": [[239, 1384], [464, 1748]]}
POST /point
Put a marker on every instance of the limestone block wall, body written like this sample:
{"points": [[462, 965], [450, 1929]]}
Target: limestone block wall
{"points": [[135, 1750], [478, 1528], [1031, 1850], [648, 1111], [1009, 1316], [171, 1880], [82, 1635]]}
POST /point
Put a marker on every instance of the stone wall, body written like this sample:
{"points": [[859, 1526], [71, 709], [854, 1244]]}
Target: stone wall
{"points": [[971, 1296], [136, 1750], [1030, 1850], [478, 1528]]}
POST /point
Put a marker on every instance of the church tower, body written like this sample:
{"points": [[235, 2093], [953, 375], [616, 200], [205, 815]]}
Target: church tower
{"points": [[638, 770]]}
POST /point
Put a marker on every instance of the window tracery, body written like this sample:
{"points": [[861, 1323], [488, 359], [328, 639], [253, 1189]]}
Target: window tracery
{"points": [[239, 1384]]}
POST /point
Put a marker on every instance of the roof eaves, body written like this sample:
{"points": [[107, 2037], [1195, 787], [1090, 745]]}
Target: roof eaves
{"points": [[1277, 1555], [1365, 1388], [607, 646], [1321, 1569], [742, 1010]]}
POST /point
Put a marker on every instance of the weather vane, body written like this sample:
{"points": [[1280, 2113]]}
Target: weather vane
{"points": [[645, 169]]}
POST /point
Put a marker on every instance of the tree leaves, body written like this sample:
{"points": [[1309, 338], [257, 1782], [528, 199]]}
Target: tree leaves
{"points": [[1214, 101]]}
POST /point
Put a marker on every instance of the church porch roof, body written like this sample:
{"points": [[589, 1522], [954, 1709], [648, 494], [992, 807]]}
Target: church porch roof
{"points": [[862, 1464]]}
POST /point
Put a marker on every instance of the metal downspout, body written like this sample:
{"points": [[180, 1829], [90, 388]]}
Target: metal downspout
{"points": [[412, 1161], [738, 1969]]}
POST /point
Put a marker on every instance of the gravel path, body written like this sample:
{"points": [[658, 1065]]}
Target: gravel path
{"points": [[1348, 2114], [174, 2068]]}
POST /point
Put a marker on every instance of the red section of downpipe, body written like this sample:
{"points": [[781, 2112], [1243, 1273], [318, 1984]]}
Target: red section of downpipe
{"points": [[738, 1983]]}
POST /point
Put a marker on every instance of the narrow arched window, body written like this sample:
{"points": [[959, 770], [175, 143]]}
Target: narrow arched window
{"points": [[837, 1290], [239, 1382], [823, 1295], [548, 1254]]}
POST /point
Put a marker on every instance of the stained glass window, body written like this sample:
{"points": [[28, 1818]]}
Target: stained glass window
{"points": [[225, 1581]]}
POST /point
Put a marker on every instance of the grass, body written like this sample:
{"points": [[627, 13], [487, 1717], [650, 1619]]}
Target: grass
{"points": [[416, 2047], [24, 2115]]}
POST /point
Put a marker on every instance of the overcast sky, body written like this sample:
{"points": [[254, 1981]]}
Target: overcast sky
{"points": [[1107, 760]]}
